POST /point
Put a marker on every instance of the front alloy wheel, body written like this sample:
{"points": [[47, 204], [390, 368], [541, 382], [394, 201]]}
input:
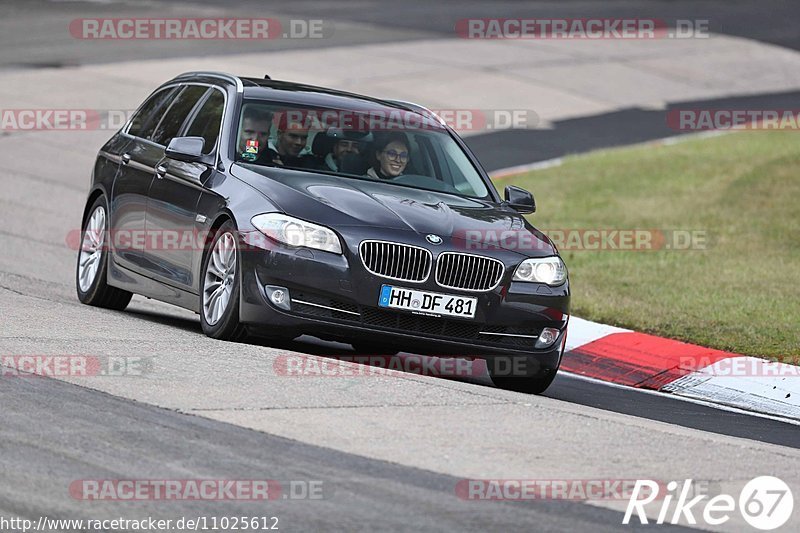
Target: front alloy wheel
{"points": [[220, 291]]}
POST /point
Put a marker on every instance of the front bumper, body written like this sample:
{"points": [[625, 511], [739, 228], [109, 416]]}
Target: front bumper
{"points": [[335, 297]]}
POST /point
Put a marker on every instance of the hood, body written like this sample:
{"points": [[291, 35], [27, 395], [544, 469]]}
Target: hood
{"points": [[338, 201]]}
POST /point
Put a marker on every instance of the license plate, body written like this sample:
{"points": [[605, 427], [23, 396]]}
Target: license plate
{"points": [[427, 303]]}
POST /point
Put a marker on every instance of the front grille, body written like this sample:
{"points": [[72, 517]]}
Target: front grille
{"points": [[468, 272], [396, 261]]}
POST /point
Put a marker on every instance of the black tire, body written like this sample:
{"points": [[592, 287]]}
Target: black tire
{"points": [[227, 327], [99, 293], [370, 348], [537, 379]]}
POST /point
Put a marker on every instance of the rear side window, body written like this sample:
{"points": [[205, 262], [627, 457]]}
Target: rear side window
{"points": [[171, 124], [148, 115], [207, 122]]}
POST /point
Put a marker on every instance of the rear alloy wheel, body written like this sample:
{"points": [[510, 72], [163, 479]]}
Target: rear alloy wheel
{"points": [[219, 298], [92, 268]]}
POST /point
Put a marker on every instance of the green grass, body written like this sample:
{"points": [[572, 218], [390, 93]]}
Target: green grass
{"points": [[742, 293]]}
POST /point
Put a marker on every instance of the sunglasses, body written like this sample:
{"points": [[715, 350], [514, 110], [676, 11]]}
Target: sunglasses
{"points": [[396, 156]]}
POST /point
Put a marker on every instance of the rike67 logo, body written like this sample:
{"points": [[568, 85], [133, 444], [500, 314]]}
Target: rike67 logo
{"points": [[765, 503]]}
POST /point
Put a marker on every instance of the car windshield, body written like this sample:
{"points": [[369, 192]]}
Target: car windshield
{"points": [[391, 145]]}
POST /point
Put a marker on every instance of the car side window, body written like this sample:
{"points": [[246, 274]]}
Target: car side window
{"points": [[206, 123], [176, 115], [149, 113]]}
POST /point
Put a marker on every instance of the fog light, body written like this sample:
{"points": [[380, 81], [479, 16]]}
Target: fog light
{"points": [[279, 296], [547, 337]]}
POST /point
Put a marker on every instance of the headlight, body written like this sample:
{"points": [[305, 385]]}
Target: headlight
{"points": [[549, 270], [295, 232]]}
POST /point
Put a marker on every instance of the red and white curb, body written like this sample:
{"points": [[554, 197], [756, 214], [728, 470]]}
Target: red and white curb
{"points": [[644, 361]]}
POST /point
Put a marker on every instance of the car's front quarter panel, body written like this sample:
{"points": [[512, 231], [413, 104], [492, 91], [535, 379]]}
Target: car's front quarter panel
{"points": [[227, 198]]}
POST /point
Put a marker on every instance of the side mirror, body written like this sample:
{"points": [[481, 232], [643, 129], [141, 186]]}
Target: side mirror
{"points": [[520, 199], [188, 149]]}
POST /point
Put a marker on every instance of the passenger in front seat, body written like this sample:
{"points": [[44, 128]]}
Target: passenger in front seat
{"points": [[391, 154]]}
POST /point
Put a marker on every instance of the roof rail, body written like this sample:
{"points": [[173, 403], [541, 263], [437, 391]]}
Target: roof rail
{"points": [[212, 74]]}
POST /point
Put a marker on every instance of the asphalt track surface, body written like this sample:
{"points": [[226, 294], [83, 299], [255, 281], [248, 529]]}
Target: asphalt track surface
{"points": [[54, 433]]}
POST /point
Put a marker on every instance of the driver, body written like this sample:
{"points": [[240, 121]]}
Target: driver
{"points": [[254, 135]]}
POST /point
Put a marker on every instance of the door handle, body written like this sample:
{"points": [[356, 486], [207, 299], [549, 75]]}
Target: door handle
{"points": [[126, 158], [160, 171]]}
